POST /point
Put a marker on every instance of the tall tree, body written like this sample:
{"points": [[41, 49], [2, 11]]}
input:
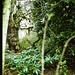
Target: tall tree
{"points": [[6, 13]]}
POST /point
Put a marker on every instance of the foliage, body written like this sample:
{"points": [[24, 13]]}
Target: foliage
{"points": [[27, 62], [51, 61], [60, 27], [63, 68], [23, 44], [39, 44]]}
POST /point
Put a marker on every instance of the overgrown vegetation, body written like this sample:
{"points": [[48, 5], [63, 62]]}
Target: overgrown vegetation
{"points": [[27, 62], [60, 28]]}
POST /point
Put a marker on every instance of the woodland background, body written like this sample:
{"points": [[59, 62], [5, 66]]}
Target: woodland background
{"points": [[24, 26]]}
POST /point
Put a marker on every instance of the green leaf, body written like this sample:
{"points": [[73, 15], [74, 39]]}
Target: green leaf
{"points": [[51, 62], [71, 20], [25, 69], [60, 70], [36, 72], [12, 68]]}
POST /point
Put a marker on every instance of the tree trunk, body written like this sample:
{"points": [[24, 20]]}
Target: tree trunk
{"points": [[43, 42], [6, 13]]}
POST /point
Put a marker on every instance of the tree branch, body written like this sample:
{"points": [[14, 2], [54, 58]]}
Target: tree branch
{"points": [[65, 46]]}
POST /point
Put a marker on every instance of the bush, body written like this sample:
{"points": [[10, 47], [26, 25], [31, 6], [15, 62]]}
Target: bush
{"points": [[27, 62]]}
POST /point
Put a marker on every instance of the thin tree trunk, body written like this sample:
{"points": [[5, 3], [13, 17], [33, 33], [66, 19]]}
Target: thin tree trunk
{"points": [[6, 13], [43, 42], [65, 46]]}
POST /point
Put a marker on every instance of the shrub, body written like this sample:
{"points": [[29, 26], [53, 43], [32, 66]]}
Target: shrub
{"points": [[27, 62]]}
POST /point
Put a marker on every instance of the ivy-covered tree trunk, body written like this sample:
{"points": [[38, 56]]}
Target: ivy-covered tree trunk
{"points": [[12, 36], [6, 13], [13, 27]]}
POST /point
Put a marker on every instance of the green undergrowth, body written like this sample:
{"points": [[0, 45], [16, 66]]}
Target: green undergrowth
{"points": [[25, 63], [28, 62]]}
